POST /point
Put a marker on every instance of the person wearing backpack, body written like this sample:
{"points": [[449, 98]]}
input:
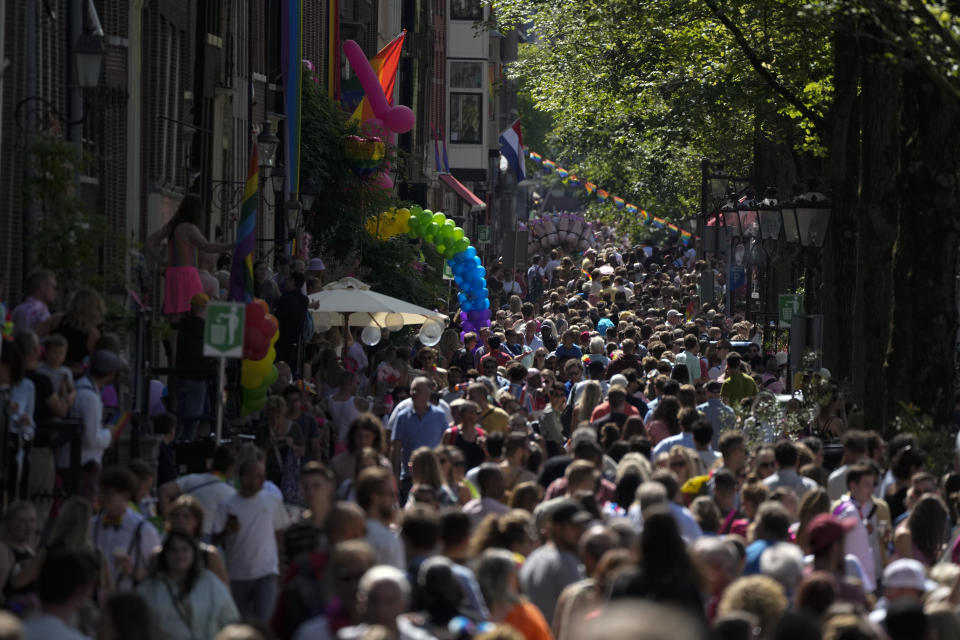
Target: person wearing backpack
{"points": [[125, 537]]}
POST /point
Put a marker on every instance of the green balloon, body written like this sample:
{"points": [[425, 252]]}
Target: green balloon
{"points": [[439, 218], [256, 394], [462, 245], [450, 223], [271, 377], [441, 248], [412, 233], [428, 237], [428, 212], [423, 218], [449, 253], [457, 233]]}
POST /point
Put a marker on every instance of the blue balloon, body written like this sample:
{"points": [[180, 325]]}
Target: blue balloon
{"points": [[485, 304], [481, 272], [485, 293], [471, 252]]}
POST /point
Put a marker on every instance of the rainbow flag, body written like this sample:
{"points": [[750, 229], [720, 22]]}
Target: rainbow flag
{"points": [[586, 273], [385, 65], [574, 181], [563, 173], [659, 223], [536, 157], [644, 215], [590, 187], [548, 166], [618, 202], [118, 423], [241, 271], [630, 208], [673, 227], [685, 237], [602, 195]]}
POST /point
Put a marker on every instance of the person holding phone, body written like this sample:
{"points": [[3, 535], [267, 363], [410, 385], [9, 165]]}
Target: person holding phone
{"points": [[253, 558]]}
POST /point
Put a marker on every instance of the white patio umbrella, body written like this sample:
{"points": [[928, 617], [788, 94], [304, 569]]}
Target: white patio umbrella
{"points": [[351, 303]]}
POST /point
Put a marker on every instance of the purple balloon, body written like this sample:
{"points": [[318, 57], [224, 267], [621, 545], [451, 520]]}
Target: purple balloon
{"points": [[474, 316], [468, 326], [485, 314]]}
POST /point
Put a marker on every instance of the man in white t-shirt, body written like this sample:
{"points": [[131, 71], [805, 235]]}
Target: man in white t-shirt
{"points": [[243, 524], [66, 583], [209, 488]]}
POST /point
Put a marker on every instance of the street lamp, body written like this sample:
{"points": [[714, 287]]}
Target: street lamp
{"points": [[719, 183], [308, 193], [731, 218], [268, 143], [292, 209], [768, 216], [813, 211], [278, 177], [88, 59], [747, 211]]}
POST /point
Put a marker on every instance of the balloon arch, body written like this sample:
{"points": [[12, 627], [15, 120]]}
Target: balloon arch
{"points": [[450, 242]]}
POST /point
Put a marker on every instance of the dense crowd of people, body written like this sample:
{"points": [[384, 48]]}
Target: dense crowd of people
{"points": [[613, 457]]}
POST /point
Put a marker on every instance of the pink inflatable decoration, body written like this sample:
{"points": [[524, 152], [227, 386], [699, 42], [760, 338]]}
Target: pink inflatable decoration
{"points": [[389, 121]]}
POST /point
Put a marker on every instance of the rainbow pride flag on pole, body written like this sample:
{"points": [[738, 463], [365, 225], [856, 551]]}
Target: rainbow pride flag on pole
{"points": [[385, 65], [563, 173], [602, 195], [590, 187], [535, 157], [548, 166], [618, 202], [574, 181], [241, 271], [630, 208], [659, 223]]}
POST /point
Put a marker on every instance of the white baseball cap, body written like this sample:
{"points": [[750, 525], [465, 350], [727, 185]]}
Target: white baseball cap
{"points": [[907, 573]]}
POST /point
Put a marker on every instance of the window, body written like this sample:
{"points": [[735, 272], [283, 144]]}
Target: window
{"points": [[466, 10], [466, 125], [466, 75]]}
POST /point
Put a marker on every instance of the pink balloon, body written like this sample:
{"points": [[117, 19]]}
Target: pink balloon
{"points": [[384, 180], [399, 119], [366, 76]]}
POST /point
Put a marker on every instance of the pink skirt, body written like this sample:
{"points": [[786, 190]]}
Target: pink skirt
{"points": [[181, 284]]}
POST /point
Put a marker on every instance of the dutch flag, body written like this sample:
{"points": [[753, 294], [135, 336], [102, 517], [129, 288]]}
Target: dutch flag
{"points": [[511, 146]]}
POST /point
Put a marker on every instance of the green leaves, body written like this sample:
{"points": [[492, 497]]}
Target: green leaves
{"points": [[639, 91]]}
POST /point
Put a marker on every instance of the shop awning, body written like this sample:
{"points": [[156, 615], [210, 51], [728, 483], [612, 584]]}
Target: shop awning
{"points": [[476, 204]]}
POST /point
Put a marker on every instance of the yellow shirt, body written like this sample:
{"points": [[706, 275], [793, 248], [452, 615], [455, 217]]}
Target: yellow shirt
{"points": [[495, 419]]}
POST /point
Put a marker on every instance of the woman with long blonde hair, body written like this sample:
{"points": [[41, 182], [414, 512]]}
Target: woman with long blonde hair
{"points": [[425, 472], [590, 397]]}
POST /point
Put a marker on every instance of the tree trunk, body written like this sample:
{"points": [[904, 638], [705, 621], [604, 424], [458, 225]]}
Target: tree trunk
{"points": [[923, 337], [876, 229], [838, 261]]}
